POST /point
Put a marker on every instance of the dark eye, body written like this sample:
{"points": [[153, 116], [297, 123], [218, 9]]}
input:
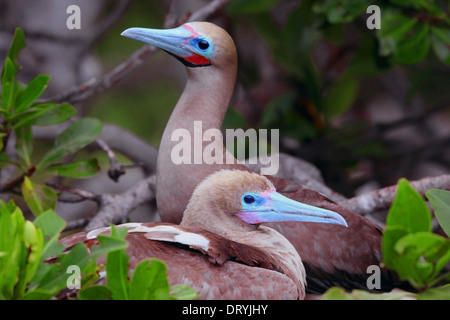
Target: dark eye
{"points": [[203, 44], [248, 199]]}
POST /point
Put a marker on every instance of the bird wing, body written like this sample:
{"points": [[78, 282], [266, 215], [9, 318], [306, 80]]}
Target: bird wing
{"points": [[335, 256], [216, 267]]}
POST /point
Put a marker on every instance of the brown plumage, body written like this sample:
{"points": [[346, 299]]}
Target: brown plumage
{"points": [[213, 250], [332, 255]]}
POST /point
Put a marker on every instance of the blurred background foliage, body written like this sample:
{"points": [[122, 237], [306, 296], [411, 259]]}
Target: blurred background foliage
{"points": [[365, 106]]}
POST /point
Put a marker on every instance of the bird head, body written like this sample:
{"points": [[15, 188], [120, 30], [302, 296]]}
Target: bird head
{"points": [[236, 196], [195, 44]]}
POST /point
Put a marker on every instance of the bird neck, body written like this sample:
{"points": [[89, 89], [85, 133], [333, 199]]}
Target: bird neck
{"points": [[276, 245], [208, 216], [205, 98]]}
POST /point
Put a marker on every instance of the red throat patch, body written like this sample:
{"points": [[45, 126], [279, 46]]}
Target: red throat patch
{"points": [[197, 60]]}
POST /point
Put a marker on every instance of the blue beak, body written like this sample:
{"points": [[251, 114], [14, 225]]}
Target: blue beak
{"points": [[280, 208], [174, 41]]}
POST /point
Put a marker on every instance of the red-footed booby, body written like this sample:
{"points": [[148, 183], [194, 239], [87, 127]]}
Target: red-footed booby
{"points": [[220, 248], [332, 255]]}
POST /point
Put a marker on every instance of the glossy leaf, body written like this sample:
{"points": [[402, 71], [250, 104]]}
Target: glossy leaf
{"points": [[81, 169], [408, 214], [56, 114], [148, 278], [39, 198], [422, 257], [17, 44], [8, 84], [440, 201], [183, 292], [51, 225], [12, 225], [395, 26], [341, 96], [441, 293], [409, 210], [43, 115], [33, 91], [96, 292], [336, 293], [24, 146], [441, 43], [78, 135], [117, 263], [415, 47]]}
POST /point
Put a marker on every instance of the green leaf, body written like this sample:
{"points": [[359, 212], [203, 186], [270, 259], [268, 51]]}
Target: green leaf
{"points": [[394, 27], [8, 84], [423, 255], [96, 292], [51, 225], [117, 274], [408, 214], [81, 169], [340, 11], [409, 210], [149, 281], [43, 115], [12, 224], [33, 91], [78, 135], [414, 47], [440, 201], [24, 145], [39, 198], [54, 115], [441, 43], [336, 293], [38, 294], [441, 293], [183, 292], [341, 96], [17, 44], [34, 243]]}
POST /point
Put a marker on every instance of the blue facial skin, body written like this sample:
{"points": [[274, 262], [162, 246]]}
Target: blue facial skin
{"points": [[273, 207], [203, 46]]}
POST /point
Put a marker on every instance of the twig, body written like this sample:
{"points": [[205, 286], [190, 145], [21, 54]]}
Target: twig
{"points": [[381, 199], [114, 208], [9, 186], [115, 168], [83, 194]]}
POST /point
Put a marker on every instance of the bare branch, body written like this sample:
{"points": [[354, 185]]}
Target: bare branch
{"points": [[83, 194], [382, 199], [114, 208], [95, 85], [115, 168]]}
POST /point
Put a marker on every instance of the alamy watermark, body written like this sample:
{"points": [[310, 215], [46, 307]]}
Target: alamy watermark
{"points": [[74, 20], [191, 150], [74, 280]]}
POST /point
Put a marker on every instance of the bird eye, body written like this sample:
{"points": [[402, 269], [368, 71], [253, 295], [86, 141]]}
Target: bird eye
{"points": [[203, 44], [248, 199]]}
